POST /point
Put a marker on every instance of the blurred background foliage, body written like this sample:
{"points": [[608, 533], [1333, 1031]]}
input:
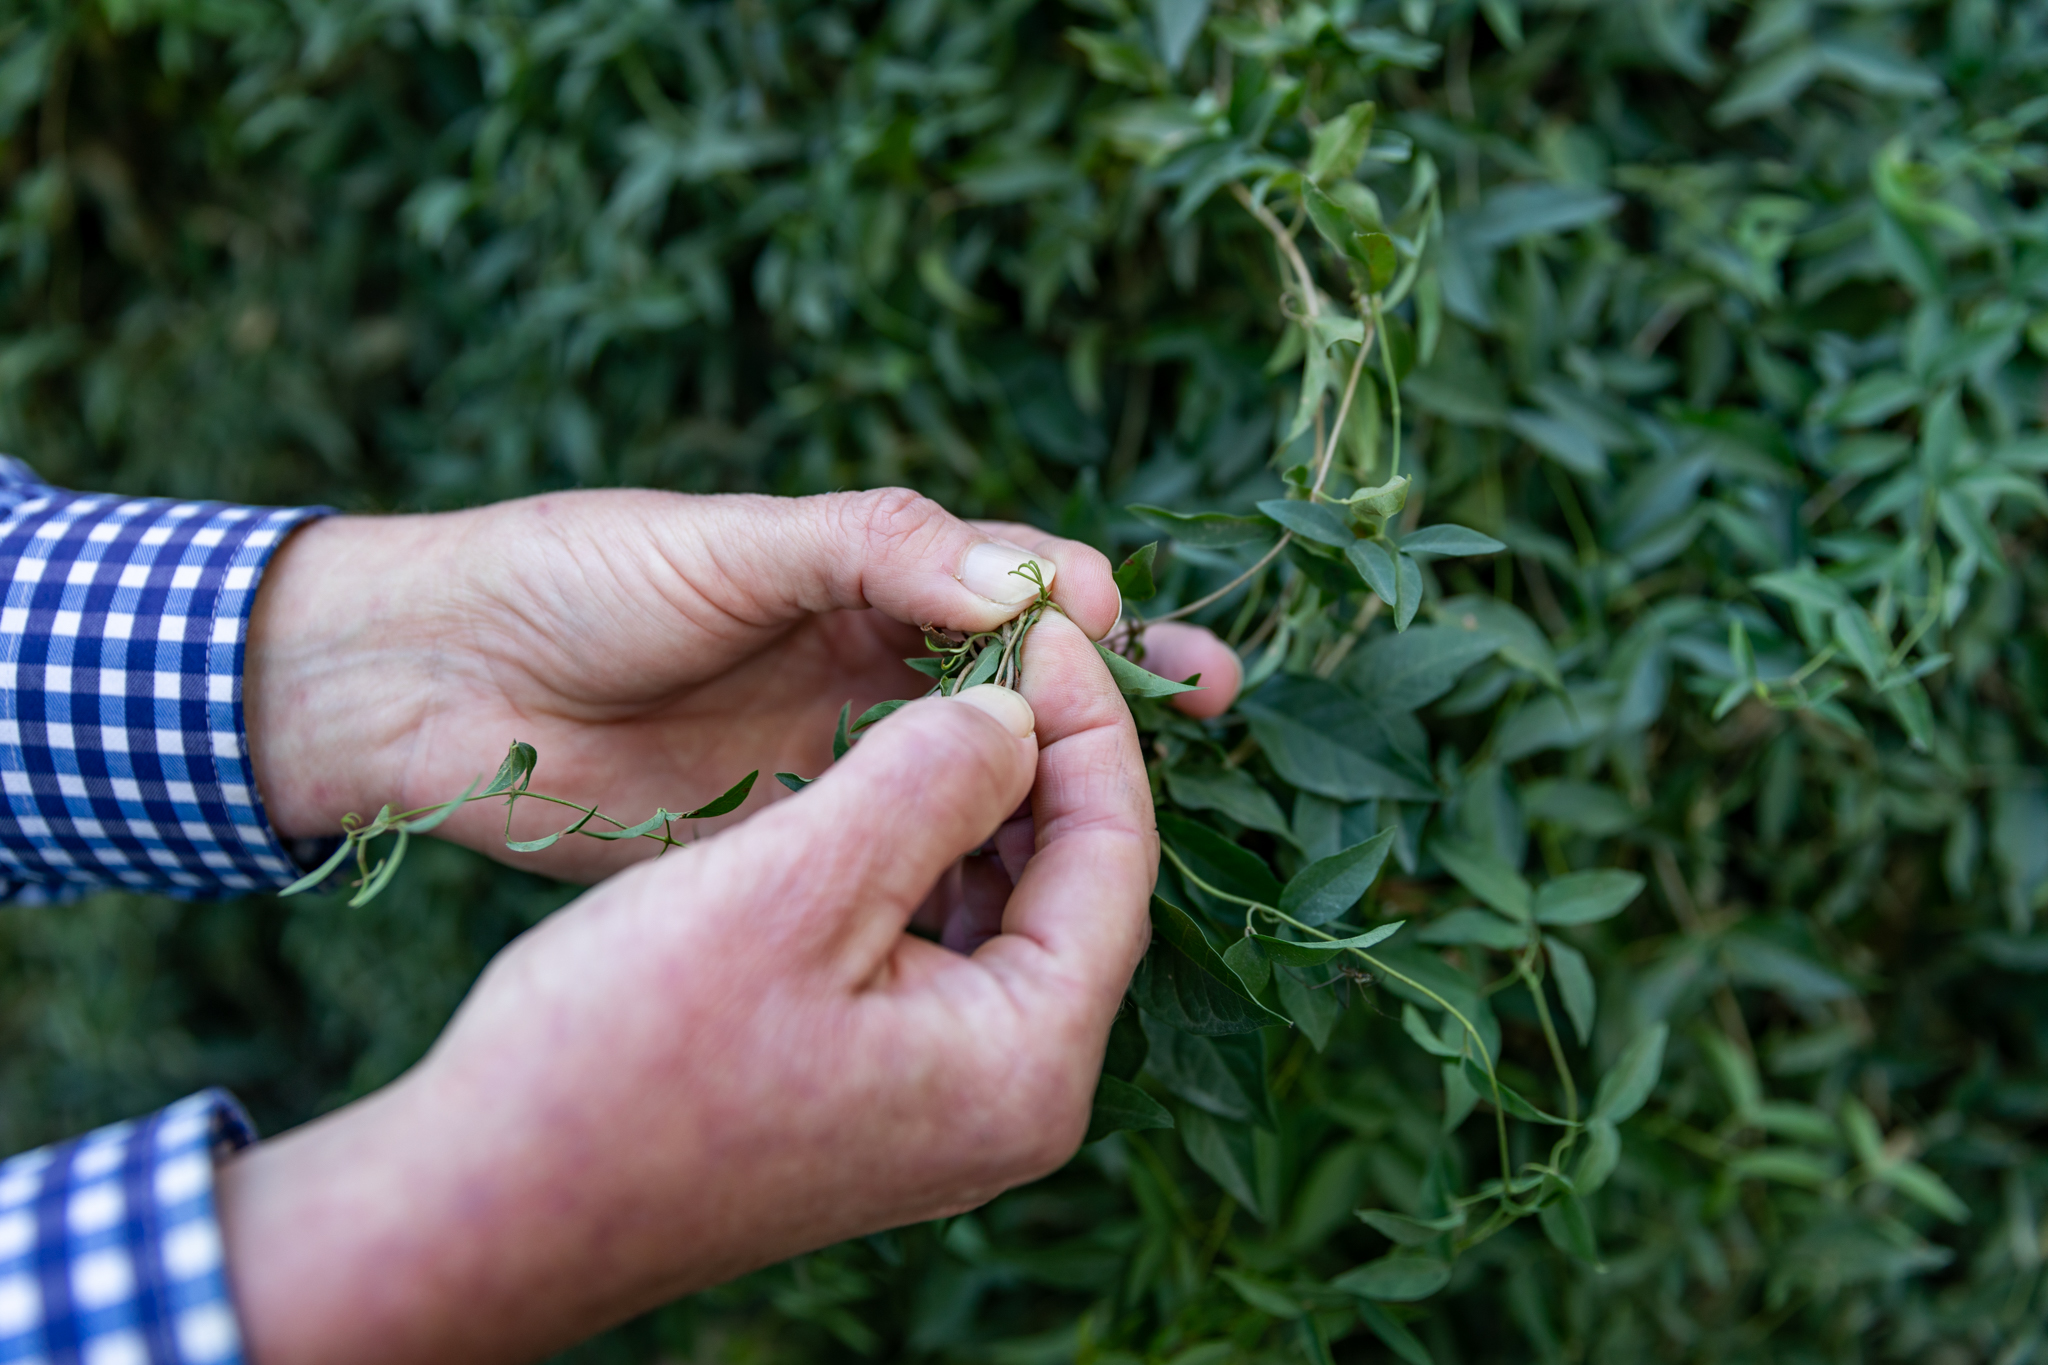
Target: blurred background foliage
{"points": [[1727, 318]]}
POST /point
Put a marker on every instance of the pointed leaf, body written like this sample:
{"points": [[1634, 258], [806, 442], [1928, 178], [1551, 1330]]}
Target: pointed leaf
{"points": [[1449, 540], [1210, 530], [517, 769], [1328, 888], [1120, 1107], [1574, 984], [729, 801], [322, 872], [1392, 1334], [1133, 681], [1482, 872], [1311, 521], [1399, 1277], [793, 782], [1586, 897], [1292, 954], [1134, 576], [1216, 860], [1340, 143], [1376, 567], [1624, 1089]]}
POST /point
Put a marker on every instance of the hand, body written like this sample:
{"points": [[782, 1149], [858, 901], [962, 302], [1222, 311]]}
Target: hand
{"points": [[732, 1054], [654, 647]]}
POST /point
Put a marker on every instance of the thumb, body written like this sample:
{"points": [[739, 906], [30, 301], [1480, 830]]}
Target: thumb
{"points": [[773, 559], [856, 852]]}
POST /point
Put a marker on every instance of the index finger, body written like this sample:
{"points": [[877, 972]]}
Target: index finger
{"points": [[1077, 921]]}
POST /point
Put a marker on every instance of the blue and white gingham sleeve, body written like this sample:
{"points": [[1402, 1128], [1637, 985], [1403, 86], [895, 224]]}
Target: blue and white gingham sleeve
{"points": [[124, 759], [110, 1251]]}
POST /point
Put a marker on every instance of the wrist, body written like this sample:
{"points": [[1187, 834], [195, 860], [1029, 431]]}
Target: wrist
{"points": [[335, 678]]}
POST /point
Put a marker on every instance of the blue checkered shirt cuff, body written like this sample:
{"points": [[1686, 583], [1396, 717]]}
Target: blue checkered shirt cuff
{"points": [[124, 759], [110, 1253]]}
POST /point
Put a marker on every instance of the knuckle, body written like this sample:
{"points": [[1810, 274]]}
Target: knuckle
{"points": [[890, 522]]}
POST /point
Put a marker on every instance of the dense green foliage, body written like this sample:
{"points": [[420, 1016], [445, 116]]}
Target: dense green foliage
{"points": [[1725, 319]]}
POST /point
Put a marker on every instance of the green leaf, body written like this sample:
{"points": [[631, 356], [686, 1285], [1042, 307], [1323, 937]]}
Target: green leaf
{"points": [[381, 876], [1407, 671], [1923, 1186], [1382, 262], [1510, 1099], [1216, 860], [549, 841], [793, 782], [1133, 577], [647, 826], [1570, 1229], [1311, 521], [1260, 1295], [1398, 1277], [1599, 1157], [515, 772], [1209, 530], [1133, 681], [1449, 540], [1290, 953], [434, 818], [1417, 1028], [1340, 144], [727, 802], [1121, 1106], [1315, 1009], [1628, 1084], [1376, 567], [341, 854], [877, 713], [1473, 926], [1185, 982], [1408, 576], [1222, 1074], [1250, 963], [1224, 1152], [1328, 888], [1332, 223], [1586, 897], [1178, 23], [1574, 984], [1230, 791], [842, 738], [1481, 872]]}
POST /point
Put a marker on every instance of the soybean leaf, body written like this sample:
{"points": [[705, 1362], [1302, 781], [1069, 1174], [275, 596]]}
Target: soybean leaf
{"points": [[982, 670], [1510, 1099], [1332, 224], [1340, 143], [1376, 252], [1134, 576], [322, 872], [1628, 1083], [1249, 961], [1923, 1186], [1260, 1295], [1474, 926], [647, 826], [516, 771], [549, 841], [1599, 1157], [1223, 1150], [1311, 521], [1408, 579], [1316, 1009], [1398, 1277], [1570, 1229], [880, 711], [726, 803], [1449, 540], [1224, 865], [1211, 530], [1292, 954], [1406, 671], [1574, 984], [1222, 1074], [1586, 897], [842, 739], [1184, 981], [382, 875], [1120, 1106], [1418, 1029], [1376, 567], [1133, 681], [1327, 888], [929, 666], [793, 782], [1481, 872], [1231, 791], [1178, 23]]}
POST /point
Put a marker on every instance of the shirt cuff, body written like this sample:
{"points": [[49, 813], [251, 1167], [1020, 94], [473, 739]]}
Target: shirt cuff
{"points": [[123, 745], [110, 1251]]}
